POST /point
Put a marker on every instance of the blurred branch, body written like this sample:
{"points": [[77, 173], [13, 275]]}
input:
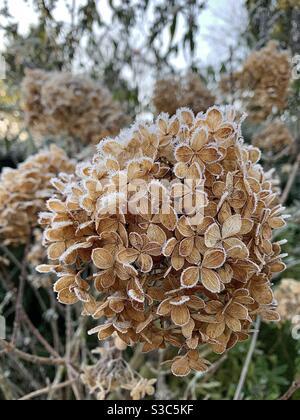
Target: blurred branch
{"points": [[248, 360], [10, 348], [291, 391], [291, 180], [47, 390]]}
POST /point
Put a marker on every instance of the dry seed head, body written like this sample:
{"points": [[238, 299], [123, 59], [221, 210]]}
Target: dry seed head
{"points": [[285, 4], [57, 104], [263, 83], [112, 373], [24, 192], [288, 297], [274, 138], [158, 273], [174, 92]]}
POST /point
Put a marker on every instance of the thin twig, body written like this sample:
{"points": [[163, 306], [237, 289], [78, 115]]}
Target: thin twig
{"points": [[50, 388], [46, 361], [19, 302], [291, 180], [291, 391], [244, 374]]}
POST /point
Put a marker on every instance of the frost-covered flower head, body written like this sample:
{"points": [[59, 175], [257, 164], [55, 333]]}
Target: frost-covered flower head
{"points": [[171, 93], [57, 104], [166, 237], [263, 83], [24, 192]]}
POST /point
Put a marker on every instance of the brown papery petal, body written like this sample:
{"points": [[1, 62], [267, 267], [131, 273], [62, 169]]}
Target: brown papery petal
{"points": [[145, 262], [212, 236], [262, 294], [169, 247], [164, 308], [67, 298], [210, 280], [196, 303], [180, 367], [214, 259], [156, 234], [177, 261], [270, 316], [277, 267], [136, 295], [136, 240], [105, 280], [187, 330], [232, 226], [194, 258], [184, 227], [226, 274], [106, 332], [64, 282], [195, 173], [233, 324], [215, 330], [236, 310], [56, 250], [116, 305], [236, 249], [169, 219], [209, 155], [183, 154], [198, 366], [214, 119], [199, 139], [190, 277], [277, 222], [186, 247], [181, 170], [219, 189], [128, 256], [44, 268], [180, 315], [224, 132], [56, 205], [247, 226], [102, 258], [215, 169]]}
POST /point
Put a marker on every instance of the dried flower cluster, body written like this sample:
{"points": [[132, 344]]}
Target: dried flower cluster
{"points": [[286, 4], [61, 103], [24, 192], [263, 83], [37, 255], [288, 297], [274, 138], [184, 259], [173, 93], [111, 374]]}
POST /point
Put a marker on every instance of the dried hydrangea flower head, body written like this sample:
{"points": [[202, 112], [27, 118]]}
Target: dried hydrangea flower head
{"points": [[172, 93], [288, 297], [263, 83], [37, 255], [286, 4], [166, 237], [274, 138], [57, 104], [24, 192], [111, 374]]}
